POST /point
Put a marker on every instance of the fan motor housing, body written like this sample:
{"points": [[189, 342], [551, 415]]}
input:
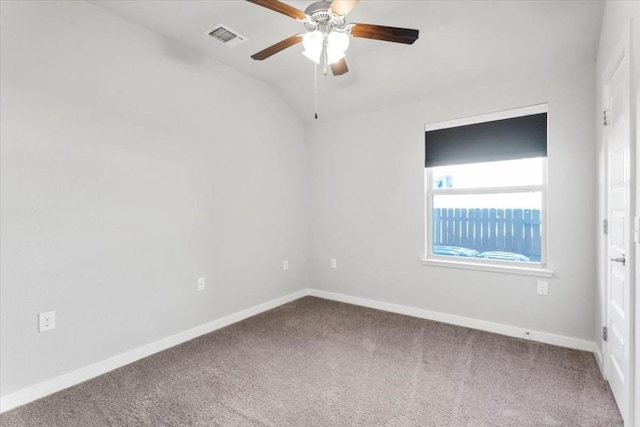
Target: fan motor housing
{"points": [[320, 14], [320, 11]]}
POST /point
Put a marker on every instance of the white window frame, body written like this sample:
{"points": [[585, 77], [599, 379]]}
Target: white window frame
{"points": [[530, 269]]}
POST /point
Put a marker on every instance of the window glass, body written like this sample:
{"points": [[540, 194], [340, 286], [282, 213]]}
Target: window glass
{"points": [[488, 211], [491, 174], [504, 226]]}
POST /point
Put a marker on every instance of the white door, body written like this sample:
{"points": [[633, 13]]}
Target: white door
{"points": [[617, 134]]}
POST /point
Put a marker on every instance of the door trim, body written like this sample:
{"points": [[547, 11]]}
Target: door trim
{"points": [[622, 49]]}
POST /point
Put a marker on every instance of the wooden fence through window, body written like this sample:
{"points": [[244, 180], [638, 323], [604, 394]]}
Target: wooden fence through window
{"points": [[508, 230]]}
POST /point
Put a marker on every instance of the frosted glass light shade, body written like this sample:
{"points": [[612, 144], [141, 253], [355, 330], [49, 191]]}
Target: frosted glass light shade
{"points": [[337, 44], [338, 41], [333, 56], [312, 42]]}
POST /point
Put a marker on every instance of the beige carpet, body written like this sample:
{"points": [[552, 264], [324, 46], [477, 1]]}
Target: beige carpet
{"points": [[320, 363]]}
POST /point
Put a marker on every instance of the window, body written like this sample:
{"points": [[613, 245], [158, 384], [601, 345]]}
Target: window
{"points": [[486, 192]]}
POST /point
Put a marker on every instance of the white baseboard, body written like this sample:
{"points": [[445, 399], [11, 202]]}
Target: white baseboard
{"points": [[53, 385], [598, 354], [483, 325], [56, 384]]}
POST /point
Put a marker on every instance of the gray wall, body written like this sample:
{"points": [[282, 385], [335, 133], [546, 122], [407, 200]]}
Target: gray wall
{"points": [[367, 180], [130, 168]]}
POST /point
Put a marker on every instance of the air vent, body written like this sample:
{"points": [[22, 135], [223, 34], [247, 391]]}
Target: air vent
{"points": [[226, 35]]}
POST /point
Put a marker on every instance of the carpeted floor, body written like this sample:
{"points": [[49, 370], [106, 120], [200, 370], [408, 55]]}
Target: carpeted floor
{"points": [[314, 362]]}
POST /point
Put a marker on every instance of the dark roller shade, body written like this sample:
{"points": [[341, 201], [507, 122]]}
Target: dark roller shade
{"points": [[508, 139]]}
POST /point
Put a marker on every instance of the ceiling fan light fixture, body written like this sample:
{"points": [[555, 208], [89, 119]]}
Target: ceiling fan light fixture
{"points": [[332, 58], [338, 41], [313, 42], [314, 56], [337, 44]]}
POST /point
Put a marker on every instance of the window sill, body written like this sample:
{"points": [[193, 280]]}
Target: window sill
{"points": [[495, 268]]}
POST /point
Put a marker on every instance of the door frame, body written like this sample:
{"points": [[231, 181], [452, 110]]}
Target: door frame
{"points": [[622, 49]]}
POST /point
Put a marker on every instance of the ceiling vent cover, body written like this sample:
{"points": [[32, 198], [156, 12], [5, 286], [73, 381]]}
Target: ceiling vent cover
{"points": [[226, 35]]}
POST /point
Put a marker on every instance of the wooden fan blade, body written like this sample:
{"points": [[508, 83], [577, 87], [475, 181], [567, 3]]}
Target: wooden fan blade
{"points": [[280, 7], [339, 68], [342, 7], [273, 49], [389, 34]]}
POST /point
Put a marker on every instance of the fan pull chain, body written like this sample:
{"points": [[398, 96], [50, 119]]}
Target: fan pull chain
{"points": [[315, 84]]}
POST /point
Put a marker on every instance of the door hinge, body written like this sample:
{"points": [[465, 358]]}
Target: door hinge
{"points": [[604, 117], [605, 333], [605, 226]]}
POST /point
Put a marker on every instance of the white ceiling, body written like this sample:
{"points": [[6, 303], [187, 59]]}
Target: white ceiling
{"points": [[462, 44]]}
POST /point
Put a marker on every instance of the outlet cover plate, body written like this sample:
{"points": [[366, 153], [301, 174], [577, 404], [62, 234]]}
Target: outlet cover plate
{"points": [[201, 284], [543, 287], [46, 321]]}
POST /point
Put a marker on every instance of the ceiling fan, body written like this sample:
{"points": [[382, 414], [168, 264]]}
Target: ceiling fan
{"points": [[327, 35]]}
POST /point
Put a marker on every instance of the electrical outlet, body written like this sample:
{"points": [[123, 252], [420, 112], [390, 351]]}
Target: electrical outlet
{"points": [[285, 264], [543, 287], [46, 321], [201, 284], [334, 263]]}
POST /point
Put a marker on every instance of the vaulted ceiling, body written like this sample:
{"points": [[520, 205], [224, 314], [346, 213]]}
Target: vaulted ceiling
{"points": [[462, 44]]}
